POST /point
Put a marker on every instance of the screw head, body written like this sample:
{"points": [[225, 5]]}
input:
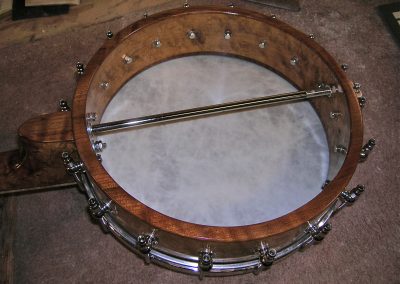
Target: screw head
{"points": [[273, 16], [104, 85], [344, 67], [109, 34], [191, 34], [262, 44], [186, 4], [157, 43], [127, 59], [80, 68], [312, 36], [294, 60], [227, 34]]}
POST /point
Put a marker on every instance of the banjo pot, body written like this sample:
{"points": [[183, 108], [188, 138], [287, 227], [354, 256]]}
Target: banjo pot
{"points": [[214, 35]]}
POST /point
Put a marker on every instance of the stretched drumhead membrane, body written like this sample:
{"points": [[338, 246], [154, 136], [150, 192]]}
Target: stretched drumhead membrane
{"points": [[229, 170]]}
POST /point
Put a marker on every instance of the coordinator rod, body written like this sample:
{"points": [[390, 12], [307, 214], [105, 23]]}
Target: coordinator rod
{"points": [[208, 110]]}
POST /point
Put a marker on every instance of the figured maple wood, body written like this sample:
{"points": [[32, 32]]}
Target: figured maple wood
{"points": [[248, 29], [37, 164]]}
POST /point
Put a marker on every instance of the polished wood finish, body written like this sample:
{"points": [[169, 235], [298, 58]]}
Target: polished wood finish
{"points": [[248, 29], [37, 165]]}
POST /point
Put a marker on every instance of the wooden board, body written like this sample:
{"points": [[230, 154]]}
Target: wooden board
{"points": [[89, 12], [5, 6], [30, 3]]}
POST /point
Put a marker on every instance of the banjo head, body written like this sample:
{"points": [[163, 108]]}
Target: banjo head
{"points": [[220, 194]]}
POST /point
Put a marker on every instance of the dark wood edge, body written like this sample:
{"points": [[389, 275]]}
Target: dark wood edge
{"points": [[221, 234]]}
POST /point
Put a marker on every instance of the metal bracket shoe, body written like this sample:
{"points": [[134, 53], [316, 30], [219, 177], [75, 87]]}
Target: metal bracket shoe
{"points": [[64, 105], [318, 233], [206, 261], [71, 166], [352, 195], [145, 242], [266, 254], [367, 149], [97, 210]]}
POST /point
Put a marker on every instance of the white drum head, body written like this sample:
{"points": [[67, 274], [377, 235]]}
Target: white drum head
{"points": [[233, 169]]}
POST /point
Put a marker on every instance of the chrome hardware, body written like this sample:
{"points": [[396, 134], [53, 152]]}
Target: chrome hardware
{"points": [[186, 4], [335, 115], [191, 34], [262, 44], [64, 105], [325, 184], [362, 101], [266, 254], [127, 59], [356, 87], [352, 195], [145, 242], [104, 85], [312, 36], [206, 259], [344, 67], [99, 158], [99, 146], [157, 43], [340, 149], [97, 209], [273, 16], [91, 116], [211, 109], [191, 263], [294, 61], [145, 15], [80, 68], [318, 233], [231, 5], [109, 34], [367, 149], [227, 34], [71, 166]]}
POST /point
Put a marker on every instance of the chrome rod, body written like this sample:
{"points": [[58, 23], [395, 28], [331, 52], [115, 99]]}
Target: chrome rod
{"points": [[208, 110]]}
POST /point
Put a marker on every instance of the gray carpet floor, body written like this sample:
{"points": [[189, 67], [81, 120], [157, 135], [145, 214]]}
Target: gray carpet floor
{"points": [[56, 242]]}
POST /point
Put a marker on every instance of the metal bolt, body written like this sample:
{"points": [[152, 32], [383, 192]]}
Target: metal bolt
{"points": [[91, 116], [273, 16], [344, 67], [356, 87], [340, 149], [227, 34], [127, 59], [186, 4], [109, 34], [335, 115], [157, 43], [104, 85], [145, 15], [99, 146], [191, 34], [64, 105], [294, 60], [80, 68], [231, 5], [362, 101], [312, 36], [262, 44]]}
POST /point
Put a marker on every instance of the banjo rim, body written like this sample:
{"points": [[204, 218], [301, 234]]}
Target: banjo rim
{"points": [[263, 230]]}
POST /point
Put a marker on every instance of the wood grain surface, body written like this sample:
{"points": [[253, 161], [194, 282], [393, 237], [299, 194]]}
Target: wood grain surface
{"points": [[248, 28]]}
